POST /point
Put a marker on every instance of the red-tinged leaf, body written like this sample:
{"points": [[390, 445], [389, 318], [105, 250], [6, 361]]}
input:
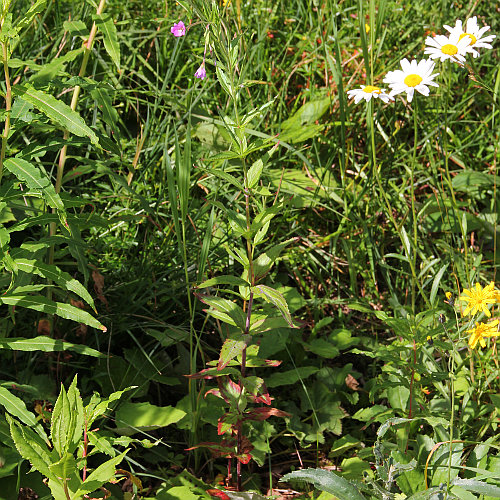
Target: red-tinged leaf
{"points": [[210, 373], [218, 494], [244, 458], [264, 413], [223, 427], [230, 349], [215, 392], [262, 398]]}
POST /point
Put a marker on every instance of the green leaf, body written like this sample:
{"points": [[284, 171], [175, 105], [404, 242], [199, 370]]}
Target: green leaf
{"points": [[263, 263], [230, 349], [40, 303], [226, 308], [16, 407], [108, 29], [97, 408], [35, 179], [224, 81], [47, 344], [100, 476], [290, 377], [53, 273], [274, 297], [327, 481], [35, 9], [478, 487], [64, 467], [57, 111], [224, 280], [77, 28], [138, 417], [254, 173], [31, 447]]}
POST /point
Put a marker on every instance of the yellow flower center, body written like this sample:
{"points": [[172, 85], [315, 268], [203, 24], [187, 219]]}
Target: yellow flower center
{"points": [[449, 49], [370, 88], [472, 37], [413, 80]]}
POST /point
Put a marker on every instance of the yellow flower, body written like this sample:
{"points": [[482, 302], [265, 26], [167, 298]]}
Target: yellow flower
{"points": [[481, 331], [478, 299], [367, 28]]}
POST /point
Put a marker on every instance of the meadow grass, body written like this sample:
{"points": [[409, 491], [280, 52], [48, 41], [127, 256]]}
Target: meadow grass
{"points": [[390, 207]]}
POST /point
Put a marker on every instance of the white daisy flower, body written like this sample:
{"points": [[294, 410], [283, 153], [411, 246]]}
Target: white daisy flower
{"points": [[414, 76], [453, 47], [474, 32], [367, 92]]}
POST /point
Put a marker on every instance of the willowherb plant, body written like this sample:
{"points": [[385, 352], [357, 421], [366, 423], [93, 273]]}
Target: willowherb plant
{"points": [[237, 301], [62, 458]]}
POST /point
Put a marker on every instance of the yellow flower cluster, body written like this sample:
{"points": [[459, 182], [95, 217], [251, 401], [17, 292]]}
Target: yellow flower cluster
{"points": [[478, 300]]}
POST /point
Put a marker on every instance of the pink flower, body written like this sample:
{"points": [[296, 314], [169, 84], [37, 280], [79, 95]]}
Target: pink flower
{"points": [[201, 72], [178, 29]]}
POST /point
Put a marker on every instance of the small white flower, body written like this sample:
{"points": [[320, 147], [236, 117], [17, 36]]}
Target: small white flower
{"points": [[474, 32], [367, 92], [453, 47], [414, 76]]}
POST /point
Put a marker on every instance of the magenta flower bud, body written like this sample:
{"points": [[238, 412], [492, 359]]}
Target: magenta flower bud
{"points": [[178, 29], [201, 72]]}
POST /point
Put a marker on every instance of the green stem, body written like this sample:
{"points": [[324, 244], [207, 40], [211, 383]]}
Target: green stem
{"points": [[8, 105], [413, 211]]}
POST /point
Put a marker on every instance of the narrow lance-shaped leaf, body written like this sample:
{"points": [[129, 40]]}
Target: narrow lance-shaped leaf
{"points": [[276, 298], [108, 29], [53, 273], [35, 179], [40, 303], [46, 344], [57, 111]]}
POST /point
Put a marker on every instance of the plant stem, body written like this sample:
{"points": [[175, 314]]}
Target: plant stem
{"points": [[413, 212], [8, 104]]}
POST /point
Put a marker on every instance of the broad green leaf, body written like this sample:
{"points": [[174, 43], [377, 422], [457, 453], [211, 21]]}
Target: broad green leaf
{"points": [[224, 280], [50, 70], [61, 423], [225, 176], [34, 179], [290, 377], [136, 417], [53, 273], [326, 481], [57, 111], [230, 349], [40, 303], [105, 104], [100, 476], [108, 29], [31, 447], [274, 297], [46, 344]]}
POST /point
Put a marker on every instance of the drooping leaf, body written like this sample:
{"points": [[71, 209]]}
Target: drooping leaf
{"points": [[16, 407], [57, 111], [53, 273], [227, 309], [40, 303]]}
